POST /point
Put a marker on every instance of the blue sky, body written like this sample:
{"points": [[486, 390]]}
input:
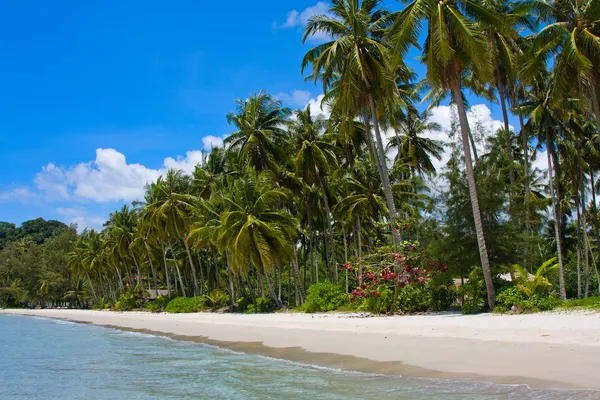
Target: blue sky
{"points": [[98, 97]]}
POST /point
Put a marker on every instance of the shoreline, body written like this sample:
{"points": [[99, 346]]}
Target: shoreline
{"points": [[540, 350]]}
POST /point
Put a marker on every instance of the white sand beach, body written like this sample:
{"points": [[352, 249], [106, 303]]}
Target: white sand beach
{"points": [[547, 350]]}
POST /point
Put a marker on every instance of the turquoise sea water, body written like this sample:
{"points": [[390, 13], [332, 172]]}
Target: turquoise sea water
{"points": [[50, 359]]}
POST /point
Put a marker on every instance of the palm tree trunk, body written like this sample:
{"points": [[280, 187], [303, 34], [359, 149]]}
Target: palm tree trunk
{"points": [[595, 222], [167, 280], [555, 212], [345, 256], [189, 254], [581, 188], [525, 150], [485, 264], [385, 179], [276, 298], [260, 283], [296, 272], [201, 275], [230, 274], [359, 239], [578, 248], [214, 253], [509, 152], [329, 228], [153, 272], [119, 276], [91, 287], [177, 269]]}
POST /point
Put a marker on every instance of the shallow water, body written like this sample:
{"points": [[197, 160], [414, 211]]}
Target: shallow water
{"points": [[51, 359]]}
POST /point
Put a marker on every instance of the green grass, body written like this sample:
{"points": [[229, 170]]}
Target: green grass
{"points": [[590, 303]]}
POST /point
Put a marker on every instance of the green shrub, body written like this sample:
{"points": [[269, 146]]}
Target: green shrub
{"points": [[186, 305], [591, 302], [126, 302], [217, 299], [101, 304], [413, 298], [513, 296], [381, 302], [159, 304], [260, 306], [442, 294], [323, 297]]}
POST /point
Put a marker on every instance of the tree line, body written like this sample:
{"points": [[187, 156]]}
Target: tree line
{"points": [[293, 198]]}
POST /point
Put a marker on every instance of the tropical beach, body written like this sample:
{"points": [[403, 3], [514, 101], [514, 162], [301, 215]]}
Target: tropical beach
{"points": [[544, 350], [363, 195]]}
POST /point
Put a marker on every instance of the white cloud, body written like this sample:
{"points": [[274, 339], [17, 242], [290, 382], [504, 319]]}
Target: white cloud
{"points": [[297, 98], [80, 217], [21, 194], [107, 178], [187, 163], [212, 141], [299, 19]]}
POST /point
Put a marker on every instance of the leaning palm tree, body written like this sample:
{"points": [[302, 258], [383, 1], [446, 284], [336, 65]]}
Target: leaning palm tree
{"points": [[255, 229], [259, 141], [356, 67], [455, 45]]}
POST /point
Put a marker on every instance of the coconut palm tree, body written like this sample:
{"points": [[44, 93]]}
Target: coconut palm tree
{"points": [[455, 45], [314, 158], [572, 37], [259, 141], [256, 229], [170, 214], [412, 148], [356, 65]]}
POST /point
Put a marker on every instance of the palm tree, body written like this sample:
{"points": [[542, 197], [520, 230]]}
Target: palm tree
{"points": [[122, 230], [259, 141], [455, 45], [357, 67], [313, 160], [170, 213], [412, 148], [255, 229], [573, 36]]}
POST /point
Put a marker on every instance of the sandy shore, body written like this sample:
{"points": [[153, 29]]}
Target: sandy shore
{"points": [[543, 350]]}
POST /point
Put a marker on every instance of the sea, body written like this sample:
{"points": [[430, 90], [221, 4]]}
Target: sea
{"points": [[53, 359]]}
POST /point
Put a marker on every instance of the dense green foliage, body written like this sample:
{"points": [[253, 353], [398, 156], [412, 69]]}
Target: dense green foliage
{"points": [[186, 305], [311, 201], [323, 297]]}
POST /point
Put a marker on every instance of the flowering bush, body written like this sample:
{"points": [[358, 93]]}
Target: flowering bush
{"points": [[405, 273]]}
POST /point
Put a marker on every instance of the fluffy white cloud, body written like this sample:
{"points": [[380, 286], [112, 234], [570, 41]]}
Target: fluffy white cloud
{"points": [[107, 178], [299, 19], [80, 217], [297, 98], [212, 141]]}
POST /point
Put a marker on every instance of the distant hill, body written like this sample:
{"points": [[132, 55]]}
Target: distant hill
{"points": [[36, 230]]}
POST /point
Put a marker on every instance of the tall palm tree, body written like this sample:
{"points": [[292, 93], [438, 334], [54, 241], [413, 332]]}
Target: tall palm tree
{"points": [[171, 212], [255, 229], [455, 45], [313, 160], [572, 35], [259, 141], [356, 64]]}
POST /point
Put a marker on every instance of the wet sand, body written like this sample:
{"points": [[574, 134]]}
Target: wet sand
{"points": [[542, 350]]}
